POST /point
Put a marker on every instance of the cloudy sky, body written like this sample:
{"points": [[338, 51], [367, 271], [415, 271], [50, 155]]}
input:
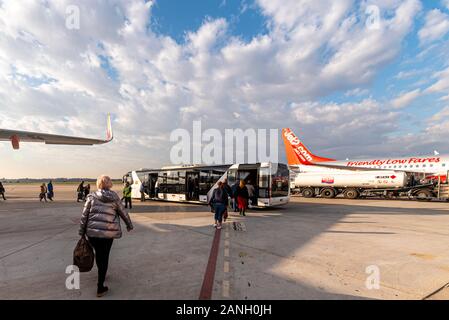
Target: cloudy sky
{"points": [[349, 84]]}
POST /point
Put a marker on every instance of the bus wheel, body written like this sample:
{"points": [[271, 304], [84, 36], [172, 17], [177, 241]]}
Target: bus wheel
{"points": [[423, 194], [308, 193], [328, 193], [351, 193]]}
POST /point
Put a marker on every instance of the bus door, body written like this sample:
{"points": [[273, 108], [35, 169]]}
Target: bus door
{"points": [[192, 186], [152, 178], [249, 173]]}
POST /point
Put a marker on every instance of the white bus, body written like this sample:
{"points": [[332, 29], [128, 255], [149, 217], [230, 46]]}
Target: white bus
{"points": [[195, 183]]}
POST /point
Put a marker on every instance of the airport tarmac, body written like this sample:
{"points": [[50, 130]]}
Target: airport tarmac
{"points": [[308, 249]]}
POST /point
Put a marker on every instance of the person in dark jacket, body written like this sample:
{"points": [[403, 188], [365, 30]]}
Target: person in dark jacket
{"points": [[242, 196], [234, 200], [230, 195], [219, 201], [80, 192], [100, 221], [50, 191], [86, 191], [2, 191]]}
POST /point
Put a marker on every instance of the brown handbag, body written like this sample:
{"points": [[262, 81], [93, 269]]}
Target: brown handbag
{"points": [[83, 255]]}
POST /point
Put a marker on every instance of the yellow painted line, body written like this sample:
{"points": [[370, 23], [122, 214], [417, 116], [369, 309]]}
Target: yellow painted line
{"points": [[226, 288], [226, 243], [226, 252]]}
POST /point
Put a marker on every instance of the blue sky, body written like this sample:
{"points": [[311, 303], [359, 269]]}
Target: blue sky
{"points": [[315, 66], [175, 18]]}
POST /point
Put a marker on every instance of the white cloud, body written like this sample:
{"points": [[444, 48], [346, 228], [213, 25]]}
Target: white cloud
{"points": [[357, 92], [406, 98], [442, 82], [436, 26], [445, 3]]}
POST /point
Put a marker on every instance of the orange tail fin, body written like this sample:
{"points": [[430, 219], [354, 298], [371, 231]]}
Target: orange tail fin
{"points": [[297, 153]]}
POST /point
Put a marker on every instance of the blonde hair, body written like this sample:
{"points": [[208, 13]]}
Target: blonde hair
{"points": [[104, 182], [242, 183]]}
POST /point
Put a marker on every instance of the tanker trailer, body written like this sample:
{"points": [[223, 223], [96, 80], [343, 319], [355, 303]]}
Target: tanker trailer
{"points": [[350, 184]]}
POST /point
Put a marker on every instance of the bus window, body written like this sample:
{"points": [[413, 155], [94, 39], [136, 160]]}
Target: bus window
{"points": [[161, 181], [280, 181], [264, 182], [182, 182], [232, 176], [128, 178], [204, 182], [141, 176], [172, 182]]}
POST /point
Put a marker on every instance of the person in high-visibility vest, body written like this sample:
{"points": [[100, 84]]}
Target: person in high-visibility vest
{"points": [[127, 195]]}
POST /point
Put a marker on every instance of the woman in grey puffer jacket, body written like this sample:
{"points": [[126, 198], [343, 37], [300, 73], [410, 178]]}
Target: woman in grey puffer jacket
{"points": [[101, 223]]}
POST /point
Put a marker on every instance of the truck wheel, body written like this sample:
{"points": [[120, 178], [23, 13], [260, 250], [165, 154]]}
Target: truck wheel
{"points": [[351, 193], [328, 193], [423, 194], [308, 193]]}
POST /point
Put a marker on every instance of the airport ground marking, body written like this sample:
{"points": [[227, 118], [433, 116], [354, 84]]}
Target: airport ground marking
{"points": [[226, 289], [226, 265], [209, 275]]}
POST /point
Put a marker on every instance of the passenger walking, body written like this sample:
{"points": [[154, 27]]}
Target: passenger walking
{"points": [[242, 197], [230, 195], [80, 192], [219, 201], [86, 191], [234, 194], [142, 192], [43, 194], [100, 222], [251, 192], [127, 195], [50, 192], [2, 190]]}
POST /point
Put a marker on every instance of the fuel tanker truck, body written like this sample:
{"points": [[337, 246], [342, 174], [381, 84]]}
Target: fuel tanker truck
{"points": [[353, 184]]}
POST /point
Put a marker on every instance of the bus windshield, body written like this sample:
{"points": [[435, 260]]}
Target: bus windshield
{"points": [[280, 179]]}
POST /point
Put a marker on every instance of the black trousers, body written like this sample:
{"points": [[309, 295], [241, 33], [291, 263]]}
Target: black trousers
{"points": [[128, 201], [3, 195], [102, 247]]}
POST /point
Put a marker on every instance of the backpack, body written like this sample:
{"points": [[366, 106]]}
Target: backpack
{"points": [[218, 195]]}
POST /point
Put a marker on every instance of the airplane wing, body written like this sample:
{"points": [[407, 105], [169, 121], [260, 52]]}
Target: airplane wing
{"points": [[16, 136]]}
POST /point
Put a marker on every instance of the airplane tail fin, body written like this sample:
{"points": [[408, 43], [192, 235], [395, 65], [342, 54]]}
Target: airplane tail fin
{"points": [[109, 133], [297, 153]]}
